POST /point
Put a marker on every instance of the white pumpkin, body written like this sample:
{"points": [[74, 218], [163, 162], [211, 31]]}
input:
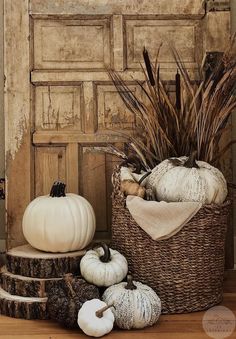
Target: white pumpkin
{"points": [[103, 266], [95, 318], [185, 179], [135, 305], [59, 222]]}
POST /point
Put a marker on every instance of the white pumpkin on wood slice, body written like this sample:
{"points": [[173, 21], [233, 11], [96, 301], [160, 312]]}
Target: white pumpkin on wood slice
{"points": [[59, 222], [185, 179], [103, 266], [136, 305], [95, 318]]}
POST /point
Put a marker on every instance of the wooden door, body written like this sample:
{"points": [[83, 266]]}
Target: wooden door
{"points": [[60, 104]]}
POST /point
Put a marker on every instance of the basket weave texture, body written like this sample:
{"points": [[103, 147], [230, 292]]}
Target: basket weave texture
{"points": [[186, 270]]}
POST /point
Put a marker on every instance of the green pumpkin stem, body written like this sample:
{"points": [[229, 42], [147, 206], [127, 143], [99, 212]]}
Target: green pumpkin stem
{"points": [[130, 284], [68, 280], [58, 189], [191, 162], [99, 313], [106, 257]]}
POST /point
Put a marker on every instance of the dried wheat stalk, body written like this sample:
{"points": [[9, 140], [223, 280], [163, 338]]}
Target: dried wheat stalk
{"points": [[197, 123]]}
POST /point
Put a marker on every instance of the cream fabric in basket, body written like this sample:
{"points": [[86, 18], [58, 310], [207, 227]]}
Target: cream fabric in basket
{"points": [[161, 220]]}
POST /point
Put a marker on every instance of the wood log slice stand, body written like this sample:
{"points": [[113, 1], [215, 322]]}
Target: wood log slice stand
{"points": [[28, 276], [29, 262], [21, 307], [26, 286]]}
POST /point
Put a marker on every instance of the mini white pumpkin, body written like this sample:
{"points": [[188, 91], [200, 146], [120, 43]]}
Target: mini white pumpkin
{"points": [[185, 179], [59, 222], [136, 305], [103, 266], [95, 318]]}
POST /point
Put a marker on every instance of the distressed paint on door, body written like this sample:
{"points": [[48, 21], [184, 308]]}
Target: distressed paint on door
{"points": [[18, 147]]}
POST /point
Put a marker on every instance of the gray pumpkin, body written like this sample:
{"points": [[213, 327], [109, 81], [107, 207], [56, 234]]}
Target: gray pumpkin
{"points": [[135, 305]]}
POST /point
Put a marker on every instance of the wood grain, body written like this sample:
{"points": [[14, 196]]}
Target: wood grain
{"points": [[72, 168], [22, 307], [44, 77], [50, 166], [118, 40], [27, 261], [151, 7], [58, 107], [90, 123], [93, 176], [26, 286], [17, 117], [73, 44], [45, 138]]}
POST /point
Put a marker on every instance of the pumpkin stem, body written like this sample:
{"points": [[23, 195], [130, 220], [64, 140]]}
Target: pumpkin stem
{"points": [[106, 257], [99, 313], [58, 189], [130, 284], [176, 162], [144, 177], [191, 162], [68, 280]]}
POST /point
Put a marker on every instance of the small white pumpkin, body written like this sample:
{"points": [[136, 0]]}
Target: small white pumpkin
{"points": [[95, 318], [59, 222], [103, 266], [136, 305], [185, 179]]}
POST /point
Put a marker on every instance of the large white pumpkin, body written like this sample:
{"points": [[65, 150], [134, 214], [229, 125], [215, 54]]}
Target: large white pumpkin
{"points": [[59, 222], [184, 179], [136, 305]]}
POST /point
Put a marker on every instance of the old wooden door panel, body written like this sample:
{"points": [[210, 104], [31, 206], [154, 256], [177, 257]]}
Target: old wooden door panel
{"points": [[69, 44], [56, 163], [58, 108], [74, 109], [50, 163], [141, 31], [110, 110], [96, 186]]}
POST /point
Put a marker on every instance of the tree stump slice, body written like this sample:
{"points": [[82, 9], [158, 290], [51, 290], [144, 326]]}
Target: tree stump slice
{"points": [[26, 286], [21, 307], [29, 262]]}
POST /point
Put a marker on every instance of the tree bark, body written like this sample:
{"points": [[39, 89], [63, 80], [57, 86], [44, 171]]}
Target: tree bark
{"points": [[20, 307], [27, 261], [26, 286]]}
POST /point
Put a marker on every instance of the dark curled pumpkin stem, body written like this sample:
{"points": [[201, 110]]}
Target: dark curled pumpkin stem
{"points": [[99, 313], [106, 257], [144, 177], [68, 280], [58, 189], [191, 162], [130, 284]]}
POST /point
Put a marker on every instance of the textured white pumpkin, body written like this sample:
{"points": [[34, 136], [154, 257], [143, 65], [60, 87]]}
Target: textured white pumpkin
{"points": [[135, 305], [59, 224], [103, 266], [95, 318], [171, 180]]}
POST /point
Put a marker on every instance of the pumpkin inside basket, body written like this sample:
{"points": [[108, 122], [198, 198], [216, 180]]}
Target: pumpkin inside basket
{"points": [[186, 270]]}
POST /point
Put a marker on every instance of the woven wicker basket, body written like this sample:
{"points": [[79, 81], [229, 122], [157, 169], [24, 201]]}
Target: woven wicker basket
{"points": [[185, 270]]}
